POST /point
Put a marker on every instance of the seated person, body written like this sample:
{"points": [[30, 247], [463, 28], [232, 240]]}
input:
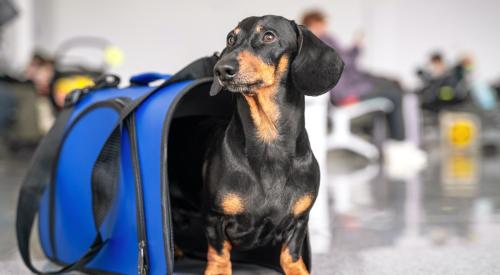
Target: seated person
{"points": [[355, 85], [455, 86]]}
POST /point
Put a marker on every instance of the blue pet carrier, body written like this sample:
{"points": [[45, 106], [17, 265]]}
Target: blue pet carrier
{"points": [[101, 180]]}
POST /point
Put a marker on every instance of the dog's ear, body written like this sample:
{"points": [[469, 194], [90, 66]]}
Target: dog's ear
{"points": [[317, 67], [216, 85]]}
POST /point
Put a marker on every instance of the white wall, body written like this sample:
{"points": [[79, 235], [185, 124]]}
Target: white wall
{"points": [[163, 36], [403, 32]]}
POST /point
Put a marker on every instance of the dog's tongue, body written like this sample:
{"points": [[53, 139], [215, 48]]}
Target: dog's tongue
{"points": [[216, 87]]}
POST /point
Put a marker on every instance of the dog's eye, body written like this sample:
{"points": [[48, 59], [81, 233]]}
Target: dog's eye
{"points": [[268, 37], [231, 40]]}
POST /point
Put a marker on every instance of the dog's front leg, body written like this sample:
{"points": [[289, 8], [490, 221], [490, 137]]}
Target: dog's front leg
{"points": [[219, 249], [290, 259]]}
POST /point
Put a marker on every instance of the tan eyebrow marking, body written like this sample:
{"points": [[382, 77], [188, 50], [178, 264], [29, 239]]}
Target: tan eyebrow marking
{"points": [[258, 28], [237, 30]]}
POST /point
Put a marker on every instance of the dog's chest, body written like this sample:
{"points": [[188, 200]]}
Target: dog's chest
{"points": [[272, 190], [261, 201], [273, 194], [257, 209], [268, 218]]}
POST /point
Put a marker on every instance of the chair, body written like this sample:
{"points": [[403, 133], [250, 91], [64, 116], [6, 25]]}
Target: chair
{"points": [[342, 136]]}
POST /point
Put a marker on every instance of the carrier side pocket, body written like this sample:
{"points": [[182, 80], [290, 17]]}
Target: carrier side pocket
{"points": [[38, 177]]}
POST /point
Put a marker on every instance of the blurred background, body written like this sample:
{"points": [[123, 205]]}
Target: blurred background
{"points": [[407, 141]]}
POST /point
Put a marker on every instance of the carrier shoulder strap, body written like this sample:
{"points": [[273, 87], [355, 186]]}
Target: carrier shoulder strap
{"points": [[32, 189], [43, 165]]}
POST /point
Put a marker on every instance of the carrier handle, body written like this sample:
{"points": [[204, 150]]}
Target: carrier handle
{"points": [[145, 79], [34, 185]]}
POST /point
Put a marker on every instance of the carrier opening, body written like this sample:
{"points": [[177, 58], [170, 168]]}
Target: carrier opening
{"points": [[196, 118]]}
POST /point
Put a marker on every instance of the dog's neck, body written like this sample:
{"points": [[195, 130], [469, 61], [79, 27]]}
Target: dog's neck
{"points": [[269, 125]]}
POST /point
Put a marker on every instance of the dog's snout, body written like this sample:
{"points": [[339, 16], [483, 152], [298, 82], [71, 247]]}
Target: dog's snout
{"points": [[226, 71]]}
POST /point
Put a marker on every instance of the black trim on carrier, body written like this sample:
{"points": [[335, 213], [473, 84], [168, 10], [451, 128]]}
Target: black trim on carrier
{"points": [[168, 234]]}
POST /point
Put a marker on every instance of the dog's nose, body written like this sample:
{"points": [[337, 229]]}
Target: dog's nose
{"points": [[225, 71]]}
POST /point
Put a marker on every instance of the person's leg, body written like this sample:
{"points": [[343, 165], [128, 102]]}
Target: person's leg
{"points": [[7, 109], [391, 91]]}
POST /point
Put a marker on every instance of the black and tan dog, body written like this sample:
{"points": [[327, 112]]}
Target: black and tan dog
{"points": [[260, 176]]}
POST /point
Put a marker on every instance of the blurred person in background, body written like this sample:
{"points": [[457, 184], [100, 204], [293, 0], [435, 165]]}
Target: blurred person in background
{"points": [[454, 86], [7, 112], [435, 68], [437, 65], [482, 93], [7, 100], [442, 85], [41, 71], [496, 86], [356, 85]]}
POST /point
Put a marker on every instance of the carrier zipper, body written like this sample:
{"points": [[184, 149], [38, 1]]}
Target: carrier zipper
{"points": [[143, 259]]}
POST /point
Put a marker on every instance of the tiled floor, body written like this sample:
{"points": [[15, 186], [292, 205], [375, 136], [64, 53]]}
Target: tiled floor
{"points": [[10, 176], [439, 222], [445, 220]]}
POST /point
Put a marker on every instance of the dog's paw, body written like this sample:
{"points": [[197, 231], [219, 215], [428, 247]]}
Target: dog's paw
{"points": [[219, 263], [218, 269], [296, 270], [291, 267]]}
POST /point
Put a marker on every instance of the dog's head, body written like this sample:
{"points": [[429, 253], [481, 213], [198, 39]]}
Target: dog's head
{"points": [[261, 50]]}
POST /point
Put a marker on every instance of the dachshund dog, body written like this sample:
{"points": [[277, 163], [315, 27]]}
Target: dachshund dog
{"points": [[260, 175]]}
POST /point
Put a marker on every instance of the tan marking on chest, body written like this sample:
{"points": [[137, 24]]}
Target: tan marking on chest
{"points": [[302, 204], [232, 204], [265, 114], [262, 103]]}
